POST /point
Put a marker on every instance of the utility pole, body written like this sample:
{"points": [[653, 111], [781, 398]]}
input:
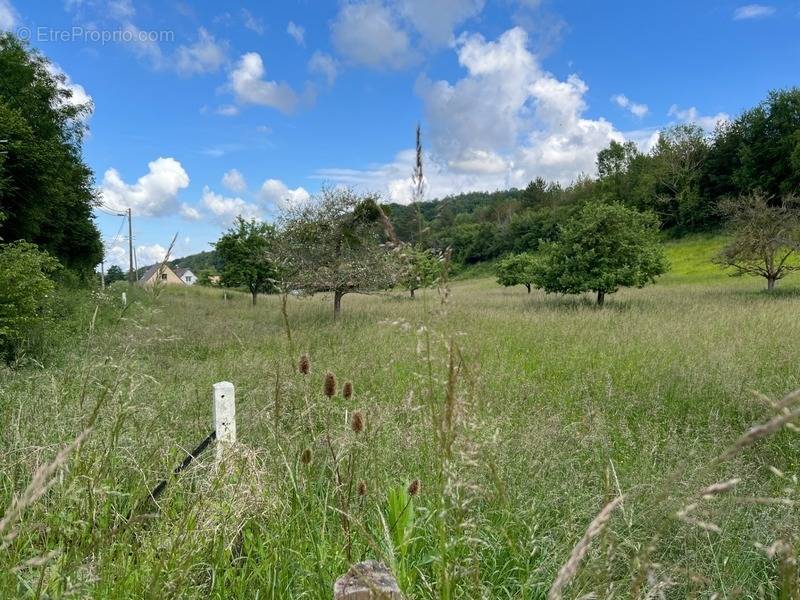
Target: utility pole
{"points": [[131, 274], [102, 275]]}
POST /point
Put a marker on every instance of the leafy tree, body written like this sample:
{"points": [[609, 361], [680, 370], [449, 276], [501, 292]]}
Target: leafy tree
{"points": [[603, 248], [244, 251], [46, 190], [517, 269], [25, 292], [420, 268], [113, 274], [765, 236], [335, 244]]}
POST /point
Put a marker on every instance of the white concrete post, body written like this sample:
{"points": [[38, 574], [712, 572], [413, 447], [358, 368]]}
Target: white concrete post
{"points": [[124, 299], [224, 415]]}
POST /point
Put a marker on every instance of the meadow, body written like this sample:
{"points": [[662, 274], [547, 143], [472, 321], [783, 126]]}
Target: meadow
{"points": [[520, 415]]}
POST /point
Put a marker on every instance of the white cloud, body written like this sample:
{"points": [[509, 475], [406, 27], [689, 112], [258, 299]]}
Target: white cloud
{"points": [[638, 110], [79, 95], [206, 55], [154, 194], [8, 16], [150, 254], [277, 193], [234, 181], [753, 11], [227, 209], [251, 22], [297, 32], [227, 110], [117, 255], [435, 20], [504, 123], [250, 87], [369, 34], [692, 115], [323, 64], [190, 212]]}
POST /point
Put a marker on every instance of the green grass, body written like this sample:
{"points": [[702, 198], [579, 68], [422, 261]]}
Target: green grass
{"points": [[554, 408]]}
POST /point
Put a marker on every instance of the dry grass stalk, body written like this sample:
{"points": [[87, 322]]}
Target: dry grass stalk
{"points": [[569, 569], [42, 481], [759, 432]]}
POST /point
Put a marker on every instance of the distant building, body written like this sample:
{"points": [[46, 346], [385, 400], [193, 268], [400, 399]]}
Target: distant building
{"points": [[186, 275], [214, 279], [161, 275]]}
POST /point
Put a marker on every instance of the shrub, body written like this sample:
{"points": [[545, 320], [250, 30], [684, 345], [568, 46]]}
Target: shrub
{"points": [[26, 290]]}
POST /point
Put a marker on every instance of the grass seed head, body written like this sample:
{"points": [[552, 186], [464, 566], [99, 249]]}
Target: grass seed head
{"points": [[304, 366], [329, 388], [347, 390], [414, 487], [305, 456], [361, 488], [357, 422]]}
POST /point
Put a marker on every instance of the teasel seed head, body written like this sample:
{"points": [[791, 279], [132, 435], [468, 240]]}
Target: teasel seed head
{"points": [[304, 366], [330, 385], [305, 456], [357, 422], [347, 390], [413, 488], [361, 488]]}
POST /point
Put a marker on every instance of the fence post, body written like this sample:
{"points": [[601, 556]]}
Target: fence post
{"points": [[124, 300], [368, 580], [224, 415]]}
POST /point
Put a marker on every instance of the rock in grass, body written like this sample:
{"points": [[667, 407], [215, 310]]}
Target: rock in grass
{"points": [[368, 580]]}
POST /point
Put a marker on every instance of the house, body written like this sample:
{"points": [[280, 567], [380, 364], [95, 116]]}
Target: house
{"points": [[161, 275], [186, 275]]}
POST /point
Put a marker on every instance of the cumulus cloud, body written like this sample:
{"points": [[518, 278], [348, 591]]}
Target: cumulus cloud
{"points": [[324, 65], [435, 21], [692, 115], [225, 209], [278, 194], [369, 34], [150, 254], [190, 212], [154, 194], [234, 181], [250, 87], [636, 109], [117, 255], [297, 32], [505, 122], [8, 16], [753, 11], [78, 94], [206, 55]]}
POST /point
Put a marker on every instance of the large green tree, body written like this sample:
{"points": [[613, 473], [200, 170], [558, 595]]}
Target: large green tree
{"points": [[245, 254], [604, 247], [46, 190], [517, 269], [336, 243]]}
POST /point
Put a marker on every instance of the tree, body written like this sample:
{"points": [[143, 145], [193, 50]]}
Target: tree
{"points": [[335, 244], [765, 236], [46, 190], [603, 248], [245, 253], [25, 292], [113, 274], [517, 269], [420, 268]]}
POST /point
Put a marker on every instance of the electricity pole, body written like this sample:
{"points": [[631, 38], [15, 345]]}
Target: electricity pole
{"points": [[131, 274], [102, 275]]}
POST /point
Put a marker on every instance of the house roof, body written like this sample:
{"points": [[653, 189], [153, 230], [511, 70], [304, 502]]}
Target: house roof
{"points": [[152, 271], [181, 271]]}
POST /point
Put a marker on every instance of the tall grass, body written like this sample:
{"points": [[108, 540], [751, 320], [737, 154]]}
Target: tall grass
{"points": [[520, 416]]}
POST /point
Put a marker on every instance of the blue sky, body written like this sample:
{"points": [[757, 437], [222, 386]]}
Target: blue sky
{"points": [[206, 110]]}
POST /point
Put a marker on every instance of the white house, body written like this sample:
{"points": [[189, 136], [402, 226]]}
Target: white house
{"points": [[186, 276]]}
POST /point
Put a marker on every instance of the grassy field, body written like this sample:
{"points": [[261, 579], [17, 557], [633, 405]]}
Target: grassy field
{"points": [[521, 415]]}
